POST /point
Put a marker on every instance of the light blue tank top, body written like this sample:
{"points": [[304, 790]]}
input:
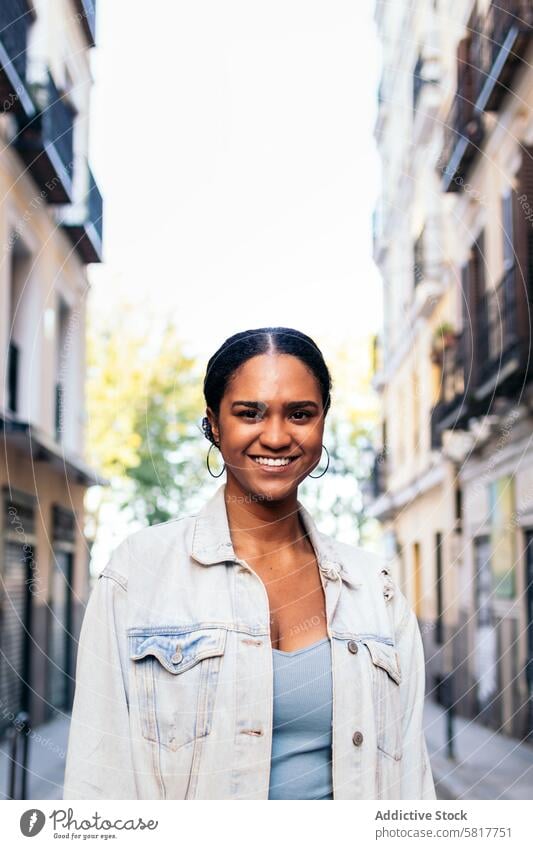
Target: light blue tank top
{"points": [[302, 732]]}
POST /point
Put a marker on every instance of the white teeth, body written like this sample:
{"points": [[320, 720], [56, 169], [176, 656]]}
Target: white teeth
{"points": [[267, 461]]}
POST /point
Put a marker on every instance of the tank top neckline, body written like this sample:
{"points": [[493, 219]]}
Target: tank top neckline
{"points": [[302, 650]]}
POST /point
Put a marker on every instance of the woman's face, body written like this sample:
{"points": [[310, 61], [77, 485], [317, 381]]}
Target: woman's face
{"points": [[272, 408]]}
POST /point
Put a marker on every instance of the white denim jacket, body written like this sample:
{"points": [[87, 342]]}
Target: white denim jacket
{"points": [[174, 677]]}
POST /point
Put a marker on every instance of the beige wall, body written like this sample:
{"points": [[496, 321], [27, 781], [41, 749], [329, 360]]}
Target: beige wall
{"points": [[51, 269]]}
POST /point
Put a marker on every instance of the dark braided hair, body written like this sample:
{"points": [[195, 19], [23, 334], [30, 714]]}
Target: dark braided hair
{"points": [[240, 347]]}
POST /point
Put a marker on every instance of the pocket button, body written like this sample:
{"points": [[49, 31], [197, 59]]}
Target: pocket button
{"points": [[177, 657], [352, 646]]}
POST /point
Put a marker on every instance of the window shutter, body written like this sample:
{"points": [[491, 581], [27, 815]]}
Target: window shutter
{"points": [[523, 246], [474, 318], [465, 89]]}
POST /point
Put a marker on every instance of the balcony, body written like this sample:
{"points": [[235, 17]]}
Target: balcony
{"points": [[496, 348], [453, 408], [87, 17], [45, 144], [503, 37], [82, 221], [459, 401], [15, 20], [503, 349], [463, 135], [487, 60]]}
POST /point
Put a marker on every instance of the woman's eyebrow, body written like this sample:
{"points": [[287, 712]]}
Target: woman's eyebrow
{"points": [[261, 405]]}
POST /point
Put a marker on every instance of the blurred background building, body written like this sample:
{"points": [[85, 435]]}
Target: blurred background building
{"points": [[453, 240], [253, 177], [50, 229]]}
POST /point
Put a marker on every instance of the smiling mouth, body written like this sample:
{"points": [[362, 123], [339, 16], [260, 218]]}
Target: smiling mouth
{"points": [[273, 462]]}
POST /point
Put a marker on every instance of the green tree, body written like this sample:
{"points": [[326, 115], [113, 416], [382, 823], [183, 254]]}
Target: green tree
{"points": [[144, 406], [170, 463]]}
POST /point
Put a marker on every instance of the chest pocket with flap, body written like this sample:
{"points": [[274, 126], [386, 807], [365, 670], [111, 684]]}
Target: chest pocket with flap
{"points": [[176, 674], [386, 678]]}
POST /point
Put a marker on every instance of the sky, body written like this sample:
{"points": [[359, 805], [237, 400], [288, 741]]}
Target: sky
{"points": [[233, 145]]}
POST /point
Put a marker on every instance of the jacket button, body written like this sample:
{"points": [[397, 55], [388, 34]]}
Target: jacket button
{"points": [[352, 646], [357, 738], [177, 657]]}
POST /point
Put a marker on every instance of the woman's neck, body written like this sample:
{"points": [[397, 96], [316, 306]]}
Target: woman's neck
{"points": [[261, 527]]}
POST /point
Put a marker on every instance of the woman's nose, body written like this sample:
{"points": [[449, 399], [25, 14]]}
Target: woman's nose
{"points": [[275, 434]]}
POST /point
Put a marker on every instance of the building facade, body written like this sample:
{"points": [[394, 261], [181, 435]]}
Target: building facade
{"points": [[453, 239], [50, 229]]}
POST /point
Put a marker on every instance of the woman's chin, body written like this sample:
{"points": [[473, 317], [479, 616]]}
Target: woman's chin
{"points": [[272, 490], [268, 489]]}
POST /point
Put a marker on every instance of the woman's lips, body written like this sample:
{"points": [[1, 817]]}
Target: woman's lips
{"points": [[273, 469]]}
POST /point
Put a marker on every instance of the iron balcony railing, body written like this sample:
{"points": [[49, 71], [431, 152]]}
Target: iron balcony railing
{"points": [[46, 143], [463, 135], [499, 39], [488, 58], [57, 123], [497, 326], [505, 16], [15, 19], [83, 219], [451, 409]]}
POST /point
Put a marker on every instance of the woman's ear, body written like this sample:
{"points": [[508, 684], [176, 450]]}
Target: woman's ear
{"points": [[214, 424]]}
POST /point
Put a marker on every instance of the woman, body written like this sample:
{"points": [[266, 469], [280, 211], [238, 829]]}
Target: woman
{"points": [[240, 653]]}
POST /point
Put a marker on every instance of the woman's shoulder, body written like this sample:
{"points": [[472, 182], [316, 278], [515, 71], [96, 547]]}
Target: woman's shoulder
{"points": [[147, 546]]}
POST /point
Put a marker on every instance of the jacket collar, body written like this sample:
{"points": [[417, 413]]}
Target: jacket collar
{"points": [[211, 539]]}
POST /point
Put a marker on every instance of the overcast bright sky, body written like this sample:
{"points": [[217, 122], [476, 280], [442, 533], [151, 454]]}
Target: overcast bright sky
{"points": [[233, 144]]}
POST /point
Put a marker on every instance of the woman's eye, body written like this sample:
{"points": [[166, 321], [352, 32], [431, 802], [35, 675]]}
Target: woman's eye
{"points": [[252, 414]]}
